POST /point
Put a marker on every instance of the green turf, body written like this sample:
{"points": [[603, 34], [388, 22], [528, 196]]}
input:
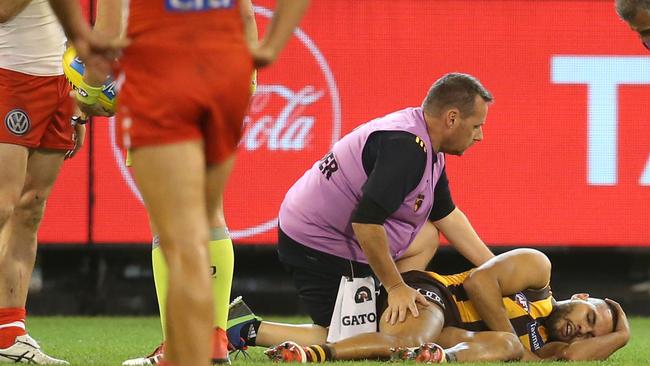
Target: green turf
{"points": [[111, 340]]}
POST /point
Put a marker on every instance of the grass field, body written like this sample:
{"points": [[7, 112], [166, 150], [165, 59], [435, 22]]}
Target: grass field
{"points": [[110, 340]]}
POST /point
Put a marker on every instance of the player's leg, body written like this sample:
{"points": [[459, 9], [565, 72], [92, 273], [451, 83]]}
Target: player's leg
{"points": [[13, 160], [269, 333], [464, 346], [18, 243], [422, 249], [410, 333], [159, 267], [226, 104], [171, 179], [160, 278], [221, 255], [39, 111], [19, 234], [22, 129]]}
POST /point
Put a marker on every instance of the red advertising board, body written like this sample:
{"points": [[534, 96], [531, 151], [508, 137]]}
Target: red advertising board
{"points": [[566, 154]]}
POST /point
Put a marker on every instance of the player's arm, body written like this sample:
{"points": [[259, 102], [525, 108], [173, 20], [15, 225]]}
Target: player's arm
{"points": [[286, 16], [11, 8], [395, 163], [250, 32], [453, 223], [250, 25], [504, 275], [90, 47], [591, 349], [69, 14], [108, 24]]}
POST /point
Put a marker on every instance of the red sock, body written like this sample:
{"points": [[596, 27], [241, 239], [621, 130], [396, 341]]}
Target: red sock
{"points": [[12, 325], [219, 346]]}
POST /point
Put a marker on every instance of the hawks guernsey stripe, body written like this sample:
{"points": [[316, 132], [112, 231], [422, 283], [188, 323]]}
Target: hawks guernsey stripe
{"points": [[527, 310]]}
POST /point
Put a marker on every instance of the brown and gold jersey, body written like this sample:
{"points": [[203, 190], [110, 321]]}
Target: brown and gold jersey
{"points": [[527, 310]]}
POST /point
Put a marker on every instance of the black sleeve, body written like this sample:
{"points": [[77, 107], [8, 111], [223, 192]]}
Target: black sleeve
{"points": [[442, 202], [394, 163]]}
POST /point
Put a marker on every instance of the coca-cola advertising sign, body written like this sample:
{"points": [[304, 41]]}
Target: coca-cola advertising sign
{"points": [[565, 158], [291, 122]]}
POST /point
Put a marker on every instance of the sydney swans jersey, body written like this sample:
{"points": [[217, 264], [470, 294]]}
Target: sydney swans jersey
{"points": [[318, 208], [33, 41], [527, 310]]}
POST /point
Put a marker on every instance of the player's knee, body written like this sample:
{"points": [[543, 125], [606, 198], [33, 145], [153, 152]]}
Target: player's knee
{"points": [[30, 209], [179, 240], [7, 206], [5, 213], [185, 250], [512, 348]]}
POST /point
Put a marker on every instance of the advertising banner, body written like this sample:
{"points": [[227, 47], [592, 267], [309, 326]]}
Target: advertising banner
{"points": [[565, 158]]}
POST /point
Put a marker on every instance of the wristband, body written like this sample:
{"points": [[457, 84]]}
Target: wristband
{"points": [[77, 120]]}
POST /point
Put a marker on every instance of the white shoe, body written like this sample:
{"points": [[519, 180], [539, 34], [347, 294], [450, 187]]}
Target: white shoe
{"points": [[26, 350], [152, 359], [143, 361]]}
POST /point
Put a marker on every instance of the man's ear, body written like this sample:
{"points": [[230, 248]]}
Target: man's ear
{"points": [[580, 296], [451, 117]]}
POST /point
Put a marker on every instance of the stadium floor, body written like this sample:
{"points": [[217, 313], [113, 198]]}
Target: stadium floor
{"points": [[104, 341]]}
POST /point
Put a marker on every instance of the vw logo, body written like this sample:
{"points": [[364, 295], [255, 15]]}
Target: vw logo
{"points": [[17, 122]]}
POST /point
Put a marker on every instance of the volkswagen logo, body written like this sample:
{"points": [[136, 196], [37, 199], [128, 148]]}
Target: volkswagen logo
{"points": [[17, 122]]}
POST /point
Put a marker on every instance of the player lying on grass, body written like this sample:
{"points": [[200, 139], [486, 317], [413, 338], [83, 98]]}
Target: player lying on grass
{"points": [[500, 311]]}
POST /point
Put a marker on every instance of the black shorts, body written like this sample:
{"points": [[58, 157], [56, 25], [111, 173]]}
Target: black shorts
{"points": [[432, 290], [317, 276]]}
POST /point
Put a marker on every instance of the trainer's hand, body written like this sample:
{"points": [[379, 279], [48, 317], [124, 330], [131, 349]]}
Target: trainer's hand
{"points": [[401, 299], [78, 136]]}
